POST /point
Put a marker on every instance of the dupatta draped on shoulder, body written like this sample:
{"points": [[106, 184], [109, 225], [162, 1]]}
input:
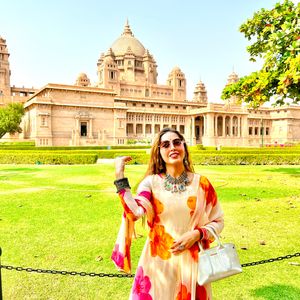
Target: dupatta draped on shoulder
{"points": [[207, 213]]}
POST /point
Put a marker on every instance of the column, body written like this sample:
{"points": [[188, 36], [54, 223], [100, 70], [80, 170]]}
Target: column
{"points": [[201, 126], [77, 124], [193, 131], [77, 132], [224, 133], [90, 128], [134, 125], [188, 130], [244, 126], [161, 121], [144, 125], [153, 127], [210, 125]]}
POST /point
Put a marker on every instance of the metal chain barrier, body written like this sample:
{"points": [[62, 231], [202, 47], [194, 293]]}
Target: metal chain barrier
{"points": [[122, 275], [265, 261], [42, 271]]}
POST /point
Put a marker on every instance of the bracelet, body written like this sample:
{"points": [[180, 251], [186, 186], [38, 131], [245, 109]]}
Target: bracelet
{"points": [[121, 184]]}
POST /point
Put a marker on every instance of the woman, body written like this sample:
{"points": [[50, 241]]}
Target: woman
{"points": [[179, 205]]}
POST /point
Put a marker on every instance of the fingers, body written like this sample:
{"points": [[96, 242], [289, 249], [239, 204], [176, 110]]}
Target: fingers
{"points": [[120, 163], [127, 158], [176, 244], [183, 243], [124, 159], [178, 250], [178, 247]]}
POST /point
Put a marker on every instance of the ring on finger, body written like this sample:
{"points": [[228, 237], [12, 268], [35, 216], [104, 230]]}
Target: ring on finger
{"points": [[181, 247]]}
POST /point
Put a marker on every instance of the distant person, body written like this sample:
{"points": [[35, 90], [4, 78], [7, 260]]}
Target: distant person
{"points": [[179, 205]]}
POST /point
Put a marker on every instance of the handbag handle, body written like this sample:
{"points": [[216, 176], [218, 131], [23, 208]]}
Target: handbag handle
{"points": [[214, 234]]}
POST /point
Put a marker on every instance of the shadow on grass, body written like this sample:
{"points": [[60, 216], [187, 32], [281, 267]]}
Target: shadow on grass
{"points": [[274, 292], [293, 171]]}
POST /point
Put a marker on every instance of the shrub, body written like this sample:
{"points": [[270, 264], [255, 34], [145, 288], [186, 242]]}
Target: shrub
{"points": [[246, 159], [139, 156], [47, 158], [136, 141], [200, 147], [69, 148]]}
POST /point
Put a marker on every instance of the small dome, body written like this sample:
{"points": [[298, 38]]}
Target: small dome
{"points": [[82, 76], [82, 80], [200, 86], [127, 39], [110, 53], [109, 60], [3, 43], [200, 93], [176, 69], [233, 77], [177, 72]]}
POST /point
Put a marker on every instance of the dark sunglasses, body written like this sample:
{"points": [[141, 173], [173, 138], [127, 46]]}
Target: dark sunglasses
{"points": [[166, 144]]}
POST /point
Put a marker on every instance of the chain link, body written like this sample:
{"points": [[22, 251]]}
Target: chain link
{"points": [[119, 275], [123, 275], [264, 261]]}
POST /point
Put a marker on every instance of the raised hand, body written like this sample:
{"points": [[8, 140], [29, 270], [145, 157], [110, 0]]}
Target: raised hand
{"points": [[120, 162]]}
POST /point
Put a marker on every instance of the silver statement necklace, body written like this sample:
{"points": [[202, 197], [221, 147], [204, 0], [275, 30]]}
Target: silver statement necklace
{"points": [[176, 185]]}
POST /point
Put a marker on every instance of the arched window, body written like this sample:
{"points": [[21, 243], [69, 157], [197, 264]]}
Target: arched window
{"points": [[111, 75]]}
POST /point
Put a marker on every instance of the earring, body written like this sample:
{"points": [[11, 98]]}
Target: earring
{"points": [[185, 160]]}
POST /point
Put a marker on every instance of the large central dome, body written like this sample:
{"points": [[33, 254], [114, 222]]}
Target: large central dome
{"points": [[127, 39]]}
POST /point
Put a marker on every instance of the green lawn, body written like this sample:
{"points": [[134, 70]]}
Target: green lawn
{"points": [[64, 217]]}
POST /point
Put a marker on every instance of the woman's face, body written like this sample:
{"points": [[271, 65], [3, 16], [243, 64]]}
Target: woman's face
{"points": [[171, 148]]}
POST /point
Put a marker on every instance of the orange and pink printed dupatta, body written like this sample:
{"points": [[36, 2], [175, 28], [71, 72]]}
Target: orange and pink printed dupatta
{"points": [[206, 211]]}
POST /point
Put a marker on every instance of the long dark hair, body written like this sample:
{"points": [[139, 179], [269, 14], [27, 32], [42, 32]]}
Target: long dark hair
{"points": [[156, 163]]}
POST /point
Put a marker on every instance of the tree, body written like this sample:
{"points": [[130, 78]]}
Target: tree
{"points": [[10, 118], [276, 35]]}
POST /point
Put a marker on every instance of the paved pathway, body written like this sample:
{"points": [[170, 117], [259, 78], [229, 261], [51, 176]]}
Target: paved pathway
{"points": [[105, 160]]}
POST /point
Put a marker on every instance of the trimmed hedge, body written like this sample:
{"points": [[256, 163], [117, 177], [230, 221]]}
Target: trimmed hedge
{"points": [[231, 159], [17, 144], [246, 159], [47, 158], [263, 151], [86, 148], [118, 152], [99, 153], [141, 157]]}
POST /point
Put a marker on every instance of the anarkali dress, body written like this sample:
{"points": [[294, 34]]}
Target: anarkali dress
{"points": [[161, 275]]}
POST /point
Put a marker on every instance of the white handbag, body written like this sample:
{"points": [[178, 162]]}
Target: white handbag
{"points": [[217, 262]]}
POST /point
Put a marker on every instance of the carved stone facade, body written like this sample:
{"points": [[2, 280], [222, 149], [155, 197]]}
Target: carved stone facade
{"points": [[10, 94], [127, 103]]}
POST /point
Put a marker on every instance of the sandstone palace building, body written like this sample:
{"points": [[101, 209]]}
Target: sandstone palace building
{"points": [[127, 103]]}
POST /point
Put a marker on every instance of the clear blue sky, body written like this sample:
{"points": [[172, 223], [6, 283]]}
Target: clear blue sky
{"points": [[53, 41]]}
